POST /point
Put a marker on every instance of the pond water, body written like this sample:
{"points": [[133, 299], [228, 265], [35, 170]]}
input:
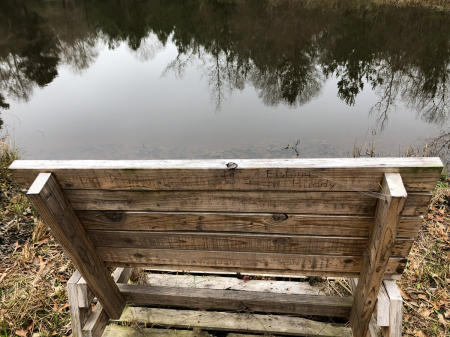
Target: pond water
{"points": [[131, 79]]}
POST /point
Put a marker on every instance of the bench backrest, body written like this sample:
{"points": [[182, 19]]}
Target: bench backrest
{"points": [[289, 216]]}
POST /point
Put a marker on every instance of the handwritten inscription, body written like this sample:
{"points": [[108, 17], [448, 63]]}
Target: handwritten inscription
{"points": [[303, 179]]}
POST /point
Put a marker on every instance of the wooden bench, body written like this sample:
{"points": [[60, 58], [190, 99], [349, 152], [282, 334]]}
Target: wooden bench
{"points": [[354, 218]]}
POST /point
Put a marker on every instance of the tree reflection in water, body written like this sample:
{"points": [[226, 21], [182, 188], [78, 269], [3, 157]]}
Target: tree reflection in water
{"points": [[284, 49]]}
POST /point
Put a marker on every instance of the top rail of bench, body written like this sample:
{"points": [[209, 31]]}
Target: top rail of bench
{"points": [[389, 162], [340, 174]]}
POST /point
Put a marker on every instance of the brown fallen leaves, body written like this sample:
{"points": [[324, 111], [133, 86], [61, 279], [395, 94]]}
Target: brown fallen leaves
{"points": [[33, 269], [425, 282]]}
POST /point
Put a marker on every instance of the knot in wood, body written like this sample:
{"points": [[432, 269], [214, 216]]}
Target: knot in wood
{"points": [[232, 165]]}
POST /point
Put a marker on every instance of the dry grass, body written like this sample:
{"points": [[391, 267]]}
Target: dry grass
{"points": [[33, 269], [425, 282]]}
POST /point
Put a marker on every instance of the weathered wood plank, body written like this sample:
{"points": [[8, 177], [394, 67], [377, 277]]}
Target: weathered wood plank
{"points": [[237, 300], [244, 335], [240, 261], [98, 319], [349, 174], [277, 223], [239, 322], [379, 250], [78, 315], [382, 307], [374, 328], [231, 283], [333, 203], [114, 330], [241, 242], [85, 295], [96, 322], [224, 201], [395, 309], [380, 316], [56, 212]]}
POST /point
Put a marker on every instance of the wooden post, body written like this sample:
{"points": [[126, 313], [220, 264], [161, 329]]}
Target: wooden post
{"points": [[78, 315], [376, 258], [47, 197], [395, 309]]}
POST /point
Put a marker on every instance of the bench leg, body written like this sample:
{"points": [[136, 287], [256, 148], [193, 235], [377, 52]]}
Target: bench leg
{"points": [[88, 320], [47, 197], [376, 258], [387, 318], [395, 310], [78, 314]]}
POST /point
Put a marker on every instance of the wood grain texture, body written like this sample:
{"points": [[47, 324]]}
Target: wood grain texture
{"points": [[98, 319], [349, 174], [85, 295], [240, 322], [382, 308], [276, 223], [231, 283], [48, 199], [96, 322], [271, 263], [379, 250], [236, 300], [78, 315], [395, 309], [241, 242], [333, 203], [114, 330]]}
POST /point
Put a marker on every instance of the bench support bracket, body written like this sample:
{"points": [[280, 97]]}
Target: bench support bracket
{"points": [[381, 239], [56, 212]]}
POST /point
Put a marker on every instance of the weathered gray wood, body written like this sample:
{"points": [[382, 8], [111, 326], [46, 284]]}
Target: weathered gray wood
{"points": [[382, 308], [114, 330], [240, 261], [235, 300], [333, 203], [374, 329], [224, 201], [122, 275], [395, 309], [96, 322], [242, 242], [363, 174], [231, 283], [379, 250], [277, 223], [78, 315], [56, 212], [85, 295], [245, 335], [226, 273], [239, 322], [380, 316], [98, 319]]}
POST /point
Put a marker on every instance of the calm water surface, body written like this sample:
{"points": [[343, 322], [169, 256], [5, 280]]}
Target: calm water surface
{"points": [[206, 79]]}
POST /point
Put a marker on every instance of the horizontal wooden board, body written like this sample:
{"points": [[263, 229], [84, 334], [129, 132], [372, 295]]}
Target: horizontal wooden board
{"points": [[277, 223], [341, 174], [237, 300], [333, 203], [269, 263], [294, 244], [232, 283], [114, 330], [241, 322]]}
